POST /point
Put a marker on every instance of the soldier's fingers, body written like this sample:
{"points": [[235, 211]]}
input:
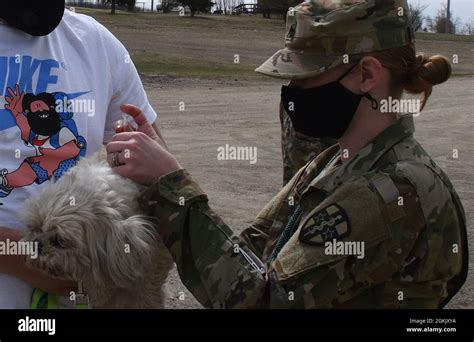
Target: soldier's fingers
{"points": [[136, 113], [115, 159], [117, 146], [121, 127], [17, 87], [123, 136], [140, 119]]}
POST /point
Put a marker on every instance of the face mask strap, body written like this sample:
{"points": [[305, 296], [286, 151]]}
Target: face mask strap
{"points": [[347, 72], [373, 102]]}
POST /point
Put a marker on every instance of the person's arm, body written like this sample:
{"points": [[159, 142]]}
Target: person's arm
{"points": [[15, 265], [256, 236], [302, 275], [216, 265], [237, 258], [51, 158], [221, 270]]}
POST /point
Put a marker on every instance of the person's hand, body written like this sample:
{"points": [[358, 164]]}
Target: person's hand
{"points": [[140, 155], [125, 126], [40, 280], [14, 102]]}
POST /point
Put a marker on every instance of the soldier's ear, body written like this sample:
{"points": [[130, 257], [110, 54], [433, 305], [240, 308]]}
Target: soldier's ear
{"points": [[371, 74]]}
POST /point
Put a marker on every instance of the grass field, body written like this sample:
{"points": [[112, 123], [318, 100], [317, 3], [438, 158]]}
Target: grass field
{"points": [[205, 46]]}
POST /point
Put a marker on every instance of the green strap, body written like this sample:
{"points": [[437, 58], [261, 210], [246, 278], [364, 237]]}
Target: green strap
{"points": [[42, 300], [39, 300], [52, 301], [81, 306]]}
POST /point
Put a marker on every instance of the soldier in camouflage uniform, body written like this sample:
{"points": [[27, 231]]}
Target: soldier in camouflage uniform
{"points": [[390, 196]]}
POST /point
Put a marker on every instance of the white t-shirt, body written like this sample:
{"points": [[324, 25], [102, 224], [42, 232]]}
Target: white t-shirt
{"points": [[82, 73]]}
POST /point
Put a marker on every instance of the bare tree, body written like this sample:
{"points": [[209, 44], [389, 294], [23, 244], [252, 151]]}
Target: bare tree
{"points": [[264, 7], [438, 23], [276, 7], [167, 5], [416, 15], [468, 28], [456, 25], [226, 6], [196, 5], [130, 5]]}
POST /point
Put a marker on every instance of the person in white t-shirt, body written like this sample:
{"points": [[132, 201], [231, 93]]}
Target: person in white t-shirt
{"points": [[61, 95]]}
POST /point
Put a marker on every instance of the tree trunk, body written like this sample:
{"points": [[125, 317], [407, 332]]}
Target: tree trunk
{"points": [[112, 11], [193, 12]]}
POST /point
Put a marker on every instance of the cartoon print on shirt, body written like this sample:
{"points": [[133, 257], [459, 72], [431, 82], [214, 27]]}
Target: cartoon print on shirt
{"points": [[52, 133]]}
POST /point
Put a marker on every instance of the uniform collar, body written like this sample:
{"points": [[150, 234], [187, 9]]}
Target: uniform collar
{"points": [[368, 156]]}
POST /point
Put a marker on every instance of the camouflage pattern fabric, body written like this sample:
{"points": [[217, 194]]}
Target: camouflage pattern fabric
{"points": [[320, 33], [391, 196], [298, 149]]}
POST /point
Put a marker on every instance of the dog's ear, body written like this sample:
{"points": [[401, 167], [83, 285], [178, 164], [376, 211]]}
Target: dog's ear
{"points": [[132, 243]]}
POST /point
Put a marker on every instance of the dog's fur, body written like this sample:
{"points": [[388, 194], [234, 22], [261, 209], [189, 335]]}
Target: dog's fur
{"points": [[85, 223]]}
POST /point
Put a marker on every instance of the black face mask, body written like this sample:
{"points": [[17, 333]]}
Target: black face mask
{"points": [[35, 17], [324, 111]]}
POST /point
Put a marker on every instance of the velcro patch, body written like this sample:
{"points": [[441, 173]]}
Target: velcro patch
{"points": [[327, 224]]}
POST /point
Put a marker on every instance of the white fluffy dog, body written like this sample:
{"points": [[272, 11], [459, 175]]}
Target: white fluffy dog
{"points": [[89, 229]]}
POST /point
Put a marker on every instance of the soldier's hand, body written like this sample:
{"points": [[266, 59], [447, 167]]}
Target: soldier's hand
{"points": [[140, 155], [142, 124]]}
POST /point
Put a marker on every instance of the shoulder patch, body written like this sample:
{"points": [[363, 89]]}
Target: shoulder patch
{"points": [[327, 224]]}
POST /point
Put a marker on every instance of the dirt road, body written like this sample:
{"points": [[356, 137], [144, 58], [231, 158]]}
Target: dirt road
{"points": [[244, 113]]}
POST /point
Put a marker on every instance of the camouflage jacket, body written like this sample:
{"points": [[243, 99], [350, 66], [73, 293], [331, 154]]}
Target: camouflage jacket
{"points": [[391, 196]]}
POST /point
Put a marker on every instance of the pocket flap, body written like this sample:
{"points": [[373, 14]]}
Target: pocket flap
{"points": [[351, 215]]}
